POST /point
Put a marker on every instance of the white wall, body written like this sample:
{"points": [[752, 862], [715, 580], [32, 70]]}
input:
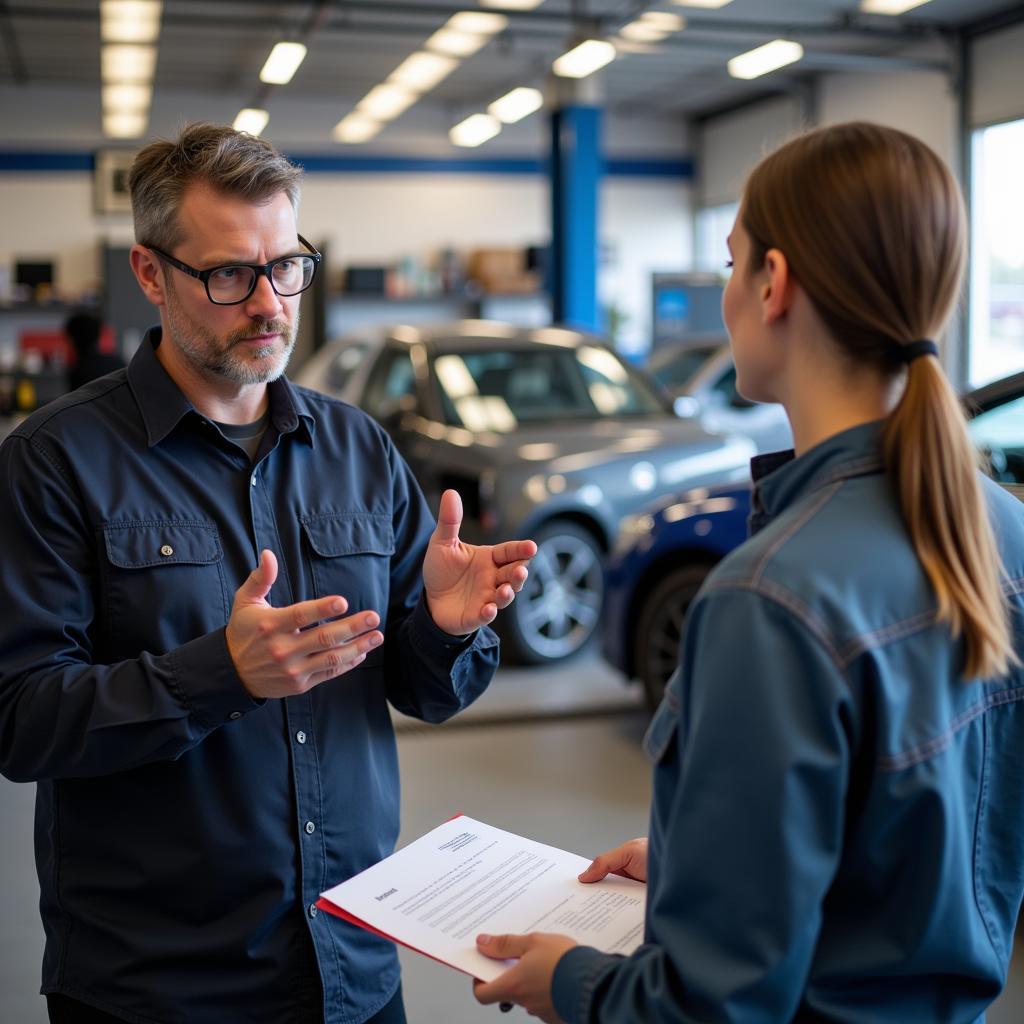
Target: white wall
{"points": [[997, 77], [920, 103], [732, 144]]}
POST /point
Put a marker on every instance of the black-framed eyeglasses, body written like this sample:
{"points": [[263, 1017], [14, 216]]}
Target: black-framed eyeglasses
{"points": [[231, 283]]}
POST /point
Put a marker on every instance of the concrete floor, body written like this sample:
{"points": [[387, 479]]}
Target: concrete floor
{"points": [[553, 754]]}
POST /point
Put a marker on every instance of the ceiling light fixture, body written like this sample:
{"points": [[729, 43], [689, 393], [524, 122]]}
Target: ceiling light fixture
{"points": [[642, 32], [421, 71], [457, 44], [891, 7], [386, 102], [512, 5], [124, 125], [709, 5], [355, 129], [477, 128], [591, 55], [665, 20], [764, 59], [130, 21], [481, 23], [516, 105], [251, 120], [126, 96], [127, 63], [283, 62]]}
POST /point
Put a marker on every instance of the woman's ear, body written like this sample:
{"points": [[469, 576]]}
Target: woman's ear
{"points": [[776, 286], [149, 273]]}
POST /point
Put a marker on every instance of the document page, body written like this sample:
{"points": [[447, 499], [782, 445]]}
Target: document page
{"points": [[465, 877]]}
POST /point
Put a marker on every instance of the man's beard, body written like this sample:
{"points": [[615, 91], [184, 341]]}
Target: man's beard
{"points": [[226, 358]]}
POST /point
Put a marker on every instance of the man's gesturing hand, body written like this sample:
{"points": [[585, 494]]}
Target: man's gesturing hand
{"points": [[277, 654], [466, 584]]}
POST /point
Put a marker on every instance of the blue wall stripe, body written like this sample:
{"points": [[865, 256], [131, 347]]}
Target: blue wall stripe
{"points": [[14, 161]]}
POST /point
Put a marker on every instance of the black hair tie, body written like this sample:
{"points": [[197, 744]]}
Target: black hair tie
{"points": [[915, 349]]}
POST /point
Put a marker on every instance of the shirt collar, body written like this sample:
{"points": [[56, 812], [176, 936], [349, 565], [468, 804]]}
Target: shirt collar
{"points": [[163, 405], [780, 478]]}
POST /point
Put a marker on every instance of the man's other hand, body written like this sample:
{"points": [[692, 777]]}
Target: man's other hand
{"points": [[279, 652]]}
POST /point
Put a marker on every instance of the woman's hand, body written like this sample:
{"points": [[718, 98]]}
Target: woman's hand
{"points": [[528, 983], [628, 860]]}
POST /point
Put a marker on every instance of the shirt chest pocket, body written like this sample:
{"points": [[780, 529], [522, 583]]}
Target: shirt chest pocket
{"points": [[350, 555], [163, 584]]}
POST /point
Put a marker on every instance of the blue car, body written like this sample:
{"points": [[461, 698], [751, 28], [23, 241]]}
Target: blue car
{"points": [[659, 563], [662, 555]]}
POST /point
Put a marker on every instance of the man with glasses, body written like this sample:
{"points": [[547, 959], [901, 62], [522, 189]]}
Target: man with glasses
{"points": [[214, 582]]}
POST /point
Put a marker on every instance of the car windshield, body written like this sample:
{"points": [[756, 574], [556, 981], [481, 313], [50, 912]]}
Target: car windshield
{"points": [[675, 367], [498, 389]]}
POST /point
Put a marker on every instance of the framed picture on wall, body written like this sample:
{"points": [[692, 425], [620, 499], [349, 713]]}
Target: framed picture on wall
{"points": [[110, 180]]}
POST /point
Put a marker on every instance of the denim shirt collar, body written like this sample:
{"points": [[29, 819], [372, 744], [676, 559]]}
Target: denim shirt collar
{"points": [[163, 405], [781, 479]]}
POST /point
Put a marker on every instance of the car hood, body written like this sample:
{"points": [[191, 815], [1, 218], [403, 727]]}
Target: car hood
{"points": [[565, 447]]}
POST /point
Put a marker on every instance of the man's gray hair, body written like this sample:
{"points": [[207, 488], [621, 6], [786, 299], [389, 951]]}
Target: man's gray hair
{"points": [[235, 163]]}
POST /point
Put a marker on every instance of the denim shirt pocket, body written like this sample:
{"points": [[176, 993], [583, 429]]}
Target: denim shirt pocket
{"points": [[662, 730], [165, 576], [350, 555]]}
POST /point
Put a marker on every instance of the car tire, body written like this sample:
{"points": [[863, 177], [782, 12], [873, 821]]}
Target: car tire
{"points": [[659, 627], [558, 610]]}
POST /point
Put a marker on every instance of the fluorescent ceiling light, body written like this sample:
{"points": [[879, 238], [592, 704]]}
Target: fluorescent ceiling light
{"points": [[126, 96], [665, 20], [251, 120], [125, 63], [478, 22], [386, 102], [776, 54], [355, 129], [283, 62], [124, 125], [130, 21], [422, 71], [642, 32], [710, 5], [475, 129], [590, 56], [890, 6], [458, 44], [512, 5], [516, 105]]}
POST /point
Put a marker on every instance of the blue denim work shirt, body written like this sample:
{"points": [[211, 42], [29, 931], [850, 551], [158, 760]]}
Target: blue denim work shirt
{"points": [[836, 831], [184, 830]]}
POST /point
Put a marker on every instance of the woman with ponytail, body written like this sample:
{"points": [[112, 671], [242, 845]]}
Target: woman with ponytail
{"points": [[837, 829]]}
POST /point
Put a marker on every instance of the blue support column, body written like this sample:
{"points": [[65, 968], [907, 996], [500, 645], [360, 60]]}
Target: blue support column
{"points": [[575, 168]]}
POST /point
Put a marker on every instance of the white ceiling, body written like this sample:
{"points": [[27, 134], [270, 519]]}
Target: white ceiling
{"points": [[211, 51]]}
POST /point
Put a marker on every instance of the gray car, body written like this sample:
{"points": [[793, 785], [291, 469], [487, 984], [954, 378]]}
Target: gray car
{"points": [[545, 433]]}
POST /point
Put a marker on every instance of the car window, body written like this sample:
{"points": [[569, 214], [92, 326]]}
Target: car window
{"points": [[999, 432], [726, 384], [497, 389], [390, 380], [344, 364], [676, 369]]}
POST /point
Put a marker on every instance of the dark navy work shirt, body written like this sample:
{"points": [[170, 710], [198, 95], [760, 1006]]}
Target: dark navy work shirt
{"points": [[183, 829]]}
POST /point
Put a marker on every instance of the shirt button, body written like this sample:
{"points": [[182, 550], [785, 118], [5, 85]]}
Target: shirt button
{"points": [[235, 715], [300, 736], [312, 910], [310, 828], [253, 480], [167, 551]]}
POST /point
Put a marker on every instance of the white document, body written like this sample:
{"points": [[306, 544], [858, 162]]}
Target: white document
{"points": [[439, 892]]}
